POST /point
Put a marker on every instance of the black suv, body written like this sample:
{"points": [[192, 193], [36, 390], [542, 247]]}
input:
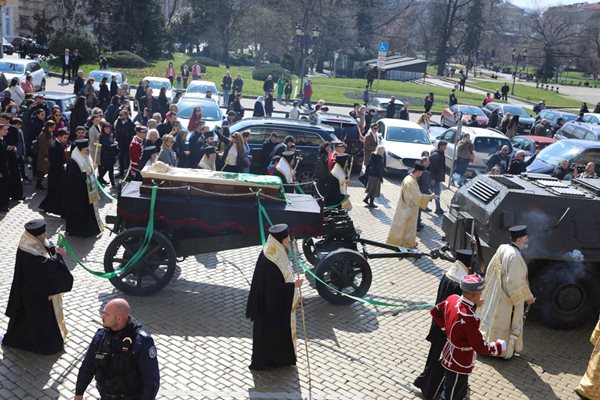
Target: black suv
{"points": [[552, 116], [346, 129], [308, 139], [525, 120]]}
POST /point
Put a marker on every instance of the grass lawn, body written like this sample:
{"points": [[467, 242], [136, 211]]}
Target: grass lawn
{"points": [[530, 93], [334, 90]]}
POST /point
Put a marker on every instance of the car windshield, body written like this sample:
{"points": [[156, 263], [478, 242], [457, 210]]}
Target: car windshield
{"points": [[10, 68], [569, 117], [67, 104], [344, 131], [98, 75], [201, 89], [159, 84], [210, 112], [471, 110], [516, 110], [410, 135], [557, 152]]}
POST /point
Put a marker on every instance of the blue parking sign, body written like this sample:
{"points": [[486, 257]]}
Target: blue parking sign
{"points": [[383, 45]]}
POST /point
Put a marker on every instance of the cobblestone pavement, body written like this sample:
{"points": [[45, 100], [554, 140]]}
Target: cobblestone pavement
{"points": [[204, 341]]}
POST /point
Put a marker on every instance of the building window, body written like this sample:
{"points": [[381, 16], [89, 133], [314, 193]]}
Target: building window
{"points": [[7, 22]]}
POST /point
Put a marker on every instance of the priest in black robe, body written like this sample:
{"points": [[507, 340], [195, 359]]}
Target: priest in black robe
{"points": [[430, 380], [272, 304], [55, 197], [336, 183], [81, 194], [14, 172], [35, 301], [4, 177]]}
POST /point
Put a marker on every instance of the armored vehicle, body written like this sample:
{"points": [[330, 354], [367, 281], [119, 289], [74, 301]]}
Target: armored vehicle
{"points": [[563, 220]]}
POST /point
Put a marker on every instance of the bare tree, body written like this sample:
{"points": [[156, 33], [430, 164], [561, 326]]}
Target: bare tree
{"points": [[450, 16]]}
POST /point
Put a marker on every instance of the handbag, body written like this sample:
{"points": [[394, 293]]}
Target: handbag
{"points": [[364, 179]]}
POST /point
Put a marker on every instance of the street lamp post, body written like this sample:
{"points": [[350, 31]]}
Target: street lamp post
{"points": [[305, 39], [517, 57]]}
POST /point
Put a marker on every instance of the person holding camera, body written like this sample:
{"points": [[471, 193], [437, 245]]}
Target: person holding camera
{"points": [[563, 171]]}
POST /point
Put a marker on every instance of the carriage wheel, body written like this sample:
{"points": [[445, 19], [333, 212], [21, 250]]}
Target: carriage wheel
{"points": [[310, 250], [347, 271], [151, 273]]}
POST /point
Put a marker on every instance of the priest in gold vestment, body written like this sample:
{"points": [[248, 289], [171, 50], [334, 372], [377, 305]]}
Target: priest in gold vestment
{"points": [[589, 386], [403, 231], [506, 293]]}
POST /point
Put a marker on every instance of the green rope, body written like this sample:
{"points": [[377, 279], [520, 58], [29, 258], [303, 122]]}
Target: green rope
{"points": [[103, 190], [62, 242]]}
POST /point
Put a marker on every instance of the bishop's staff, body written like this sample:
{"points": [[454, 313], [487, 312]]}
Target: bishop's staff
{"points": [[295, 263], [97, 147]]}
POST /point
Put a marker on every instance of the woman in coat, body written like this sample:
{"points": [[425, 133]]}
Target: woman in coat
{"points": [[375, 174], [259, 107], [234, 154], [163, 103], [194, 118], [512, 129], [167, 155], [79, 116], [59, 120], [16, 93], [108, 154], [104, 94], [55, 198], [44, 140]]}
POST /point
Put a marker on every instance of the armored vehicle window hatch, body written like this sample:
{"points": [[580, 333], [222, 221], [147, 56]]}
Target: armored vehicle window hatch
{"points": [[483, 191], [593, 185], [534, 177], [506, 182], [568, 191], [547, 183]]}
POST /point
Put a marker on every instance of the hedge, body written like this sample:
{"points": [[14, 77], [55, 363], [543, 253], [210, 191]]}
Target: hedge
{"points": [[203, 61], [63, 39], [261, 72], [125, 59]]}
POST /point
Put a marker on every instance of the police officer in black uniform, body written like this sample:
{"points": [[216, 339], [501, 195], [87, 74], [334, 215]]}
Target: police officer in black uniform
{"points": [[122, 358]]}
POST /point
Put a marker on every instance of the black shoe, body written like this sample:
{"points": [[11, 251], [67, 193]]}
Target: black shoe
{"points": [[366, 200], [419, 227], [371, 205], [439, 212]]}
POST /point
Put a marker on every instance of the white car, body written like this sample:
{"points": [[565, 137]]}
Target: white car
{"points": [[404, 141], [592, 118], [98, 74], [211, 113], [156, 83], [199, 89], [485, 142], [21, 68]]}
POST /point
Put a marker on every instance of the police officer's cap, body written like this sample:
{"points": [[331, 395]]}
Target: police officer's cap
{"points": [[472, 283], [339, 143], [279, 231], [518, 231], [36, 227], [341, 158]]}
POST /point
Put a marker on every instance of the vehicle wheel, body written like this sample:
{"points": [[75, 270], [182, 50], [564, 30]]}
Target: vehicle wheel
{"points": [[151, 273], [310, 250], [43, 86], [348, 272], [304, 176], [565, 298]]}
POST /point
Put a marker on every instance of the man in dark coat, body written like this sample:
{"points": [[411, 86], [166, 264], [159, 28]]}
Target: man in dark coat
{"points": [[81, 194], [272, 304], [124, 132], [167, 126], [431, 378], [79, 83], [437, 170], [505, 89], [268, 84], [195, 144], [67, 63], [55, 198], [500, 158], [149, 102], [76, 62], [390, 111], [267, 148], [35, 301], [114, 86], [14, 171], [4, 178]]}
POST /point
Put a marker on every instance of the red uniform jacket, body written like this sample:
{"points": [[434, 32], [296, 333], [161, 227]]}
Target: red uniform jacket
{"points": [[456, 317], [135, 153]]}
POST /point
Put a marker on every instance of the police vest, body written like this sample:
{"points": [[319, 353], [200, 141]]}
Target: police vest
{"points": [[118, 374]]}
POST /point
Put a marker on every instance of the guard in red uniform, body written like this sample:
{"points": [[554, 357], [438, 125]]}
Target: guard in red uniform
{"points": [[136, 148], [456, 317]]}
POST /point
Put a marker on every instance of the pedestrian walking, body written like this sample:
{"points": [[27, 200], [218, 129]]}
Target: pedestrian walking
{"points": [[170, 73], [272, 304], [122, 357], [55, 197], [76, 61], [196, 71], [374, 172], [288, 92], [505, 89], [108, 154], [66, 66], [226, 85], [280, 87], [34, 307]]}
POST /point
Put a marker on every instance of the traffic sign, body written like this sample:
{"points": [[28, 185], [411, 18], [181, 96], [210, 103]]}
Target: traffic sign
{"points": [[384, 46], [381, 61]]}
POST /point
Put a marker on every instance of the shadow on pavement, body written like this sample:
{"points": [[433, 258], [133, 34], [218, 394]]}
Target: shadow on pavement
{"points": [[282, 383], [35, 369]]}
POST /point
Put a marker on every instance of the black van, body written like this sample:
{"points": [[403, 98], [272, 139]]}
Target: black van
{"points": [[308, 139]]}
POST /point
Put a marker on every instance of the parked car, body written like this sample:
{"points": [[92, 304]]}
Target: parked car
{"points": [[379, 104], [65, 101], [578, 130], [525, 120], [156, 83], [199, 89], [530, 143], [33, 48], [404, 141], [98, 74], [485, 141], [591, 118], [211, 113], [346, 129], [21, 68], [450, 115], [308, 139], [7, 47], [552, 116], [575, 151]]}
